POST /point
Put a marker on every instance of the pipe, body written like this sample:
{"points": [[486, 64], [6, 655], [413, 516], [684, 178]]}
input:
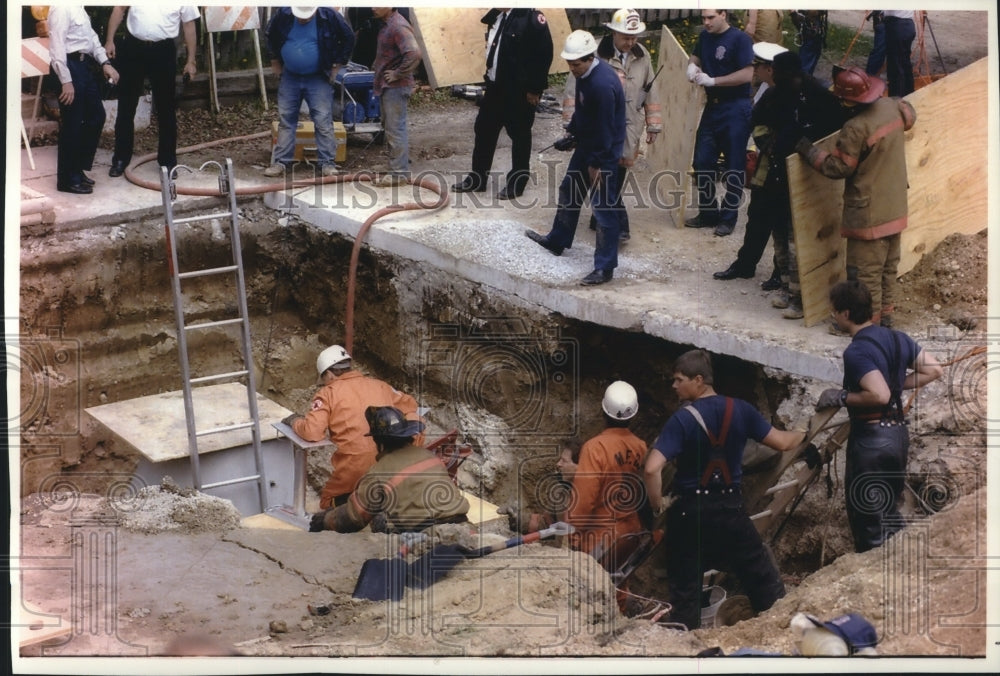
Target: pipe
{"points": [[441, 190]]}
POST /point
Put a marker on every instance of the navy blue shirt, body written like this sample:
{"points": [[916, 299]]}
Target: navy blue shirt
{"points": [[598, 122], [683, 439], [862, 357], [300, 53], [724, 54]]}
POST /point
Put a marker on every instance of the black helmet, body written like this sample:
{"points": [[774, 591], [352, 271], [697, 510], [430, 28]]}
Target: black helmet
{"points": [[389, 422]]}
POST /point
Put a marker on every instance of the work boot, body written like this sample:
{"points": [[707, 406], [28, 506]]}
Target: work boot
{"points": [[794, 310], [276, 169], [772, 283], [732, 272], [700, 221], [724, 229], [330, 170], [781, 300], [597, 277]]}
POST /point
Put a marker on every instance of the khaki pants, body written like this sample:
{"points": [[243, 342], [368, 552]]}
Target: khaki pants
{"points": [[874, 262]]}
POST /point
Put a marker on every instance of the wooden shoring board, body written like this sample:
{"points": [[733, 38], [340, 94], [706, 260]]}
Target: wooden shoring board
{"points": [[453, 44], [946, 164], [669, 156]]}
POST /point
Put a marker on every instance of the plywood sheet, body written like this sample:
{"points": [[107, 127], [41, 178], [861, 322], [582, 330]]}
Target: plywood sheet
{"points": [[453, 46], [946, 160], [669, 156]]}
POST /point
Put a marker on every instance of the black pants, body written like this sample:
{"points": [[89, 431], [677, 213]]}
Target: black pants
{"points": [[899, 36], [769, 211], [80, 123], [874, 477], [503, 108], [135, 61], [715, 531]]}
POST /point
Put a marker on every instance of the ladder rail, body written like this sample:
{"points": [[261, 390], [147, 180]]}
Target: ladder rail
{"points": [[228, 187]]}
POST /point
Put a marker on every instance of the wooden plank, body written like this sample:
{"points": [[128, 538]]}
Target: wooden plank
{"points": [[946, 163], [37, 626], [669, 156], [453, 44]]}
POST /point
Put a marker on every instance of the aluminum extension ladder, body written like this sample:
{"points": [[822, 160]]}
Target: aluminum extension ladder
{"points": [[226, 187]]}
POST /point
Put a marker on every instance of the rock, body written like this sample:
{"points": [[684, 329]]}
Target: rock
{"points": [[278, 627], [963, 322], [306, 625]]}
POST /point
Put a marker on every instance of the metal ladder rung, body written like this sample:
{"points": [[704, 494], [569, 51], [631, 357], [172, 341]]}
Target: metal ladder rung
{"points": [[780, 487], [218, 376], [226, 428], [206, 272], [230, 482], [203, 217], [761, 515], [218, 322]]}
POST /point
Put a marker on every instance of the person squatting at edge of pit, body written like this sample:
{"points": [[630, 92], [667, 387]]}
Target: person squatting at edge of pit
{"points": [[408, 489], [338, 408], [875, 365], [707, 523]]}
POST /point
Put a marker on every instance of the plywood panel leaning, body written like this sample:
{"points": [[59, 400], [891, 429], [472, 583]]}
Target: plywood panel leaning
{"points": [[453, 44], [946, 164], [669, 156]]}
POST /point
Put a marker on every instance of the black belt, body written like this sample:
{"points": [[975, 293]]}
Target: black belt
{"points": [[716, 100], [77, 56], [148, 42]]}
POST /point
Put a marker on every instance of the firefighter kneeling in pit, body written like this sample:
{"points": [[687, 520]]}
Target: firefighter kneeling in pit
{"points": [[408, 489]]}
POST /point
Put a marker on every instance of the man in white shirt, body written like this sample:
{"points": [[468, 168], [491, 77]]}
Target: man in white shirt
{"points": [[148, 48], [74, 48]]}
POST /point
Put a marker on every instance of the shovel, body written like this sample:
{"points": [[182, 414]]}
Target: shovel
{"points": [[382, 579], [435, 564]]}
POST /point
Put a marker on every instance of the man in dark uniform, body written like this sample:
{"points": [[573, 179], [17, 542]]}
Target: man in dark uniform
{"points": [[722, 63], [407, 490], [598, 127], [875, 365], [519, 53], [708, 526]]}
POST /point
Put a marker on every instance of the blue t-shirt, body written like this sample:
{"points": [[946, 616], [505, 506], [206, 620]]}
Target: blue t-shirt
{"points": [[724, 54], [300, 53], [862, 357], [683, 439]]}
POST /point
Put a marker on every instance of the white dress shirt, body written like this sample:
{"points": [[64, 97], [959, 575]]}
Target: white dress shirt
{"points": [[153, 22], [70, 31]]}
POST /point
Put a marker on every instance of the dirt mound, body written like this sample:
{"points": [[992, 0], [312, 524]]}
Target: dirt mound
{"points": [[168, 507]]}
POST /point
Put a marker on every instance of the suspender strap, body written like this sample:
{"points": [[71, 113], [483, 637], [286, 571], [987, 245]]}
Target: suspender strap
{"points": [[717, 458]]}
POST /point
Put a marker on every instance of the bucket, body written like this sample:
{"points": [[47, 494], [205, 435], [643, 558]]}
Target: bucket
{"points": [[711, 598]]}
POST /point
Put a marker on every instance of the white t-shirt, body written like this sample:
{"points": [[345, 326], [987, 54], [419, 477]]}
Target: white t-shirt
{"points": [[899, 13], [155, 22]]}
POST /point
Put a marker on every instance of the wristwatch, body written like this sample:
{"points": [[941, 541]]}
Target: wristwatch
{"points": [[843, 398]]}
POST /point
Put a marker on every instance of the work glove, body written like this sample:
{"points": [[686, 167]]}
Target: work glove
{"points": [[517, 521], [380, 523], [318, 521], [290, 419], [812, 457], [831, 398], [704, 80], [692, 70], [565, 143], [803, 146]]}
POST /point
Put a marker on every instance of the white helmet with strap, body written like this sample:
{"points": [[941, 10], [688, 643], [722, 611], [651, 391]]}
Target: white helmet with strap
{"points": [[331, 356]]}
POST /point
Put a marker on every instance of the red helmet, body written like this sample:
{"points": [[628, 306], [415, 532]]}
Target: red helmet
{"points": [[854, 84]]}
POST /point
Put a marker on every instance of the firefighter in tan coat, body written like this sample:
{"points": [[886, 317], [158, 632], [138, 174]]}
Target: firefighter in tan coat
{"points": [[870, 156], [631, 61]]}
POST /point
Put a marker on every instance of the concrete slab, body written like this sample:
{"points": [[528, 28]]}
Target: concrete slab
{"points": [[663, 285]]}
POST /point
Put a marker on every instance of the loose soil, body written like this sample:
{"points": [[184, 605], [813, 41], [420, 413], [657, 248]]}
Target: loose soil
{"points": [[249, 590]]}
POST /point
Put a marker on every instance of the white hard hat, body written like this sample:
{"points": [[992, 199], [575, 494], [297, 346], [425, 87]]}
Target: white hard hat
{"points": [[766, 51], [626, 21], [578, 45], [303, 12], [331, 356], [620, 400]]}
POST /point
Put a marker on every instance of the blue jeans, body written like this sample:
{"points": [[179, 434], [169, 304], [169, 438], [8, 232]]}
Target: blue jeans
{"points": [[572, 192], [317, 92], [724, 129], [394, 101]]}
